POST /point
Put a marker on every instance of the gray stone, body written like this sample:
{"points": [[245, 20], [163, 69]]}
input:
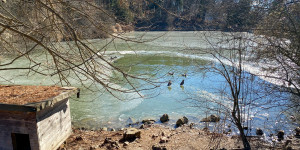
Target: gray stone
{"points": [[211, 118], [192, 125], [104, 129], [126, 143], [154, 136], [182, 121], [159, 147], [164, 140], [148, 121], [259, 131], [131, 134], [164, 118], [142, 126]]}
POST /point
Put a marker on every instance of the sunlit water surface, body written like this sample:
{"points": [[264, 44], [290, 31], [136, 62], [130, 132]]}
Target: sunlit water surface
{"points": [[168, 53]]}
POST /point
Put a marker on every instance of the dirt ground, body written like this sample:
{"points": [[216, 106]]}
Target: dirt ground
{"points": [[158, 137]]}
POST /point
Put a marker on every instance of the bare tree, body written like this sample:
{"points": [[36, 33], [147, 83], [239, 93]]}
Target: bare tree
{"points": [[52, 39]]}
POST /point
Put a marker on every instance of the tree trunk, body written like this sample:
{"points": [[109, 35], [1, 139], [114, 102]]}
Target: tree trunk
{"points": [[243, 136]]}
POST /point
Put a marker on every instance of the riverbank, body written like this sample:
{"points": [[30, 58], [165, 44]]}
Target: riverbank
{"points": [[153, 136]]}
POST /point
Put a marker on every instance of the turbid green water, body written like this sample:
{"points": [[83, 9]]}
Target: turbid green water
{"points": [[154, 59]]}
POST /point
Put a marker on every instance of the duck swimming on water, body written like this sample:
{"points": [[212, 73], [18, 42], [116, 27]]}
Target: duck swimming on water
{"points": [[184, 75], [182, 82], [171, 73], [169, 83]]}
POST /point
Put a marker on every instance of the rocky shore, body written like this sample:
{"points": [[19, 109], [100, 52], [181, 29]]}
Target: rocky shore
{"points": [[160, 137]]}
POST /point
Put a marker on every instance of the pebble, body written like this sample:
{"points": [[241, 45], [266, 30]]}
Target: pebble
{"points": [[163, 140], [126, 143]]}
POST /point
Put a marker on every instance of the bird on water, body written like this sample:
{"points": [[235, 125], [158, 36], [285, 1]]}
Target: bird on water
{"points": [[171, 73], [182, 82], [169, 83], [184, 75]]}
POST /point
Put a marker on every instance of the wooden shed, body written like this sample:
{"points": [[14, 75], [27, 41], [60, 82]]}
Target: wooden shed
{"points": [[38, 125]]}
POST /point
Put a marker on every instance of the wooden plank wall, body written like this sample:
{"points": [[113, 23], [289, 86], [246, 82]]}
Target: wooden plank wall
{"points": [[54, 125], [17, 122]]}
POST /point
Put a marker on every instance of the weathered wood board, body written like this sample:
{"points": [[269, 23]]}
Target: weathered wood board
{"points": [[48, 123]]}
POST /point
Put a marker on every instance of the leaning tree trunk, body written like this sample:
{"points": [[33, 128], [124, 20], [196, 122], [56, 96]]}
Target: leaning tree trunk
{"points": [[242, 134]]}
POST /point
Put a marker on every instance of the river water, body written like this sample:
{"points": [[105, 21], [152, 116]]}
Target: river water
{"points": [[155, 55]]}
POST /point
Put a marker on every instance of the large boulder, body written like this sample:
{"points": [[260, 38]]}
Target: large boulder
{"points": [[131, 134], [211, 118], [164, 118], [182, 121]]}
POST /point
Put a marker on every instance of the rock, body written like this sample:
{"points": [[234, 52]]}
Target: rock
{"points": [[159, 147], [112, 129], [109, 143], [192, 125], [142, 126], [259, 132], [164, 118], [78, 138], [148, 121], [211, 118], [107, 140], [118, 27], [297, 131], [115, 144], [104, 129], [182, 121], [164, 140], [205, 129], [131, 134], [154, 136], [126, 143], [280, 135]]}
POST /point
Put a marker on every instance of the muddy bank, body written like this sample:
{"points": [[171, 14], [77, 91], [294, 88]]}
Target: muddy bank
{"points": [[153, 136]]}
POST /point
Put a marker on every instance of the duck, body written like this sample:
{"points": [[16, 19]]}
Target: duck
{"points": [[171, 73], [184, 75], [169, 83], [182, 82]]}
